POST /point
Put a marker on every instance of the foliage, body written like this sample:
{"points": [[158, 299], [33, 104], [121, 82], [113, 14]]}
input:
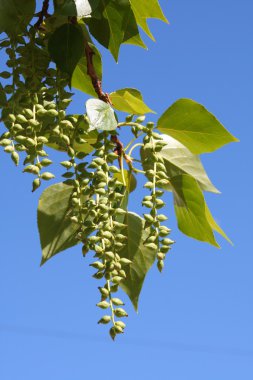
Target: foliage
{"points": [[45, 59]]}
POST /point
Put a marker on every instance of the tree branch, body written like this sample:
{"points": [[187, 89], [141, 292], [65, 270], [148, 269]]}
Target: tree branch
{"points": [[42, 14]]}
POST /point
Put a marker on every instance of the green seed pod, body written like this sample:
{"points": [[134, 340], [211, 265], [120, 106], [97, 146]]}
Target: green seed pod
{"points": [[21, 119], [5, 142], [120, 324], [109, 255], [47, 176], [119, 245], [147, 198], [160, 256], [94, 239], [118, 329], [11, 117], [119, 211], [66, 139], [98, 249], [30, 142], [15, 158], [85, 250], [161, 218], [68, 175], [104, 292], [151, 246], [114, 169], [5, 75], [159, 203], [74, 219], [42, 139], [140, 119], [149, 185], [33, 169], [125, 261], [147, 204], [148, 218], [162, 175], [46, 162], [52, 113], [41, 153], [119, 312], [98, 275], [168, 241], [66, 164], [160, 265], [164, 248], [28, 113], [116, 279], [162, 182], [36, 184], [21, 139], [97, 265], [117, 302], [105, 319], [103, 304], [122, 273], [112, 333]]}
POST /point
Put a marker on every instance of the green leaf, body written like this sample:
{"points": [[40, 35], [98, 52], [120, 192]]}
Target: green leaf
{"points": [[66, 47], [79, 8], [15, 15], [113, 24], [57, 232], [215, 226], [3, 98], [81, 80], [101, 115], [129, 100], [195, 127], [130, 180], [190, 208], [142, 257], [147, 9]]}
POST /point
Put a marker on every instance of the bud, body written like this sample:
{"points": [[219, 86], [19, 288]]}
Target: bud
{"points": [[104, 292], [116, 279], [9, 149], [125, 261], [161, 217], [97, 265], [140, 119], [21, 118], [112, 333], [151, 246], [148, 218], [15, 158], [36, 184], [118, 329], [160, 265]]}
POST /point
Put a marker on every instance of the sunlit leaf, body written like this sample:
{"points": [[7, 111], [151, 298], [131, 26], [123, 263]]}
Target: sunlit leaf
{"points": [[101, 115], [129, 100]]}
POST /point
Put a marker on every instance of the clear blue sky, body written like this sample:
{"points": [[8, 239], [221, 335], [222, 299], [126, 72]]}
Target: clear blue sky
{"points": [[195, 320]]}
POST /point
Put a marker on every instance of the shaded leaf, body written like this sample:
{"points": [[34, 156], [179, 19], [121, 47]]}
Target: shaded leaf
{"points": [[130, 180], [15, 15], [113, 24], [66, 47], [147, 9], [57, 232], [190, 208], [101, 115], [129, 100], [142, 257], [195, 127]]}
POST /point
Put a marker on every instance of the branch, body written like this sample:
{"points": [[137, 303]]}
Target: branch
{"points": [[42, 14]]}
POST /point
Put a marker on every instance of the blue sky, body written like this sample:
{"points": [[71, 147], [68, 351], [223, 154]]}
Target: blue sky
{"points": [[195, 320]]}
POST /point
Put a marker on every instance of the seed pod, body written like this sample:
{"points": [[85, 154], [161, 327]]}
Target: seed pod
{"points": [[15, 158], [5, 75], [164, 248], [36, 184], [112, 333], [105, 319], [98, 275], [140, 119], [161, 217], [30, 142], [159, 203], [160, 256], [116, 279], [104, 292], [12, 117], [52, 113], [85, 250], [109, 255], [33, 169], [103, 304], [46, 162], [148, 218], [149, 185], [5, 142], [74, 219], [151, 246], [168, 241], [47, 176], [29, 113], [119, 312], [94, 239], [117, 302], [162, 182], [97, 265], [125, 261], [66, 164], [122, 273], [118, 329], [160, 265], [21, 118], [114, 169], [120, 324], [147, 204], [42, 139]]}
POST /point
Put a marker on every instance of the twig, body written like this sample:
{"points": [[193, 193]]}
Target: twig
{"points": [[42, 14]]}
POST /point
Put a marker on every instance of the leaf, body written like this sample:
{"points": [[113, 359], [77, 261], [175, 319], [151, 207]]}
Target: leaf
{"points": [[179, 160], [101, 115], [147, 9], [190, 208], [79, 8], [195, 127], [142, 257], [215, 226], [57, 232], [81, 80], [113, 25], [66, 47], [130, 180], [15, 15], [3, 98], [129, 100]]}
